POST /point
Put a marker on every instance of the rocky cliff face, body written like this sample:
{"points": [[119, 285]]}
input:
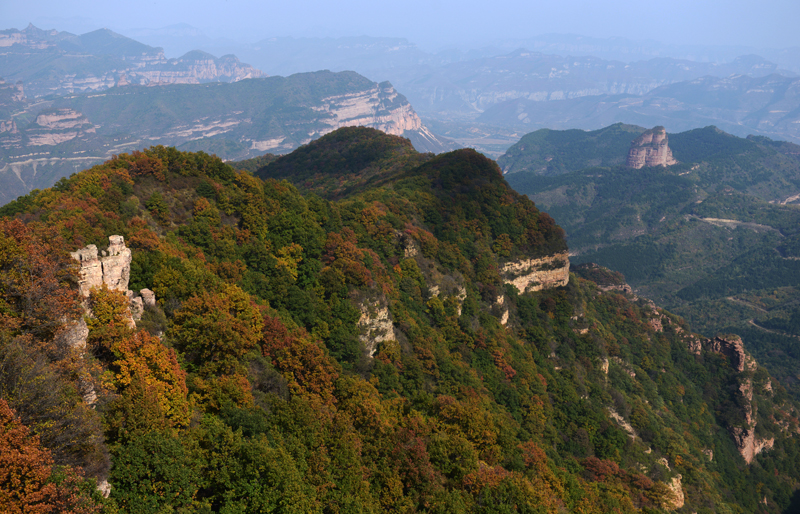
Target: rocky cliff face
{"points": [[744, 434], [112, 268], [537, 274], [193, 68], [650, 149], [375, 324], [380, 107]]}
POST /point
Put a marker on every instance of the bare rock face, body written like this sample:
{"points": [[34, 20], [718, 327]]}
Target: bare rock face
{"points": [[59, 126], [375, 324], [650, 149], [731, 347], [744, 435], [148, 297], [501, 309], [117, 264], [677, 498], [537, 274], [91, 271], [137, 307], [113, 268], [655, 324], [74, 334], [694, 344]]}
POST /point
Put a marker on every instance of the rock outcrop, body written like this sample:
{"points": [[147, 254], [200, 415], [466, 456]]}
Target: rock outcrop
{"points": [[744, 434], [112, 267], [677, 498], [650, 149], [731, 347], [74, 334], [380, 107], [375, 324], [537, 274]]}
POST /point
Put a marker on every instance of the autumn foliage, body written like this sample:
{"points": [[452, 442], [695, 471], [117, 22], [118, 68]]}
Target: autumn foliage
{"points": [[353, 350], [29, 482]]}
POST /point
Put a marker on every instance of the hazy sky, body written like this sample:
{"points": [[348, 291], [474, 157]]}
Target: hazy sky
{"points": [[432, 23]]}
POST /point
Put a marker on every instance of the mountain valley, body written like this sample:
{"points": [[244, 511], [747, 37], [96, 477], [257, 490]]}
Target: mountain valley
{"points": [[49, 139], [710, 236]]}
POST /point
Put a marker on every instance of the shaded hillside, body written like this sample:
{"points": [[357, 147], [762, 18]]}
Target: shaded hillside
{"points": [[712, 237], [417, 346], [235, 121]]}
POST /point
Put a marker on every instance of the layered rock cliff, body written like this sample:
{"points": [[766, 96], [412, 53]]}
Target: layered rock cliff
{"points": [[650, 149], [743, 432], [537, 274]]}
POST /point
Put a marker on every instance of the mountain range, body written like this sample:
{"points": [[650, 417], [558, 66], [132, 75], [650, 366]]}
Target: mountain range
{"points": [[739, 104], [43, 141], [485, 98], [51, 62], [711, 236]]}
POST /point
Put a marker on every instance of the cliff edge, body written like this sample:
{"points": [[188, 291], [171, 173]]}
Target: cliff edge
{"points": [[650, 149]]}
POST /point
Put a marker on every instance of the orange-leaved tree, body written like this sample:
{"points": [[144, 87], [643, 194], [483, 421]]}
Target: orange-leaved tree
{"points": [[152, 386], [29, 483]]}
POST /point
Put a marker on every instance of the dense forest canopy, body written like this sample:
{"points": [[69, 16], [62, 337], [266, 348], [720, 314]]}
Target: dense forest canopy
{"points": [[353, 348]]}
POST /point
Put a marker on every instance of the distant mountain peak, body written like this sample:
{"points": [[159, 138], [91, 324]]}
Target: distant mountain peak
{"points": [[650, 149]]}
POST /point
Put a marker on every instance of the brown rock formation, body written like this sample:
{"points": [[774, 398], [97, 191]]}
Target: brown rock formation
{"points": [[537, 274], [732, 348], [744, 435], [650, 149]]}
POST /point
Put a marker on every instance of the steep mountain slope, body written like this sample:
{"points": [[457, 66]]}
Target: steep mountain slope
{"points": [[51, 62], [417, 345], [54, 138], [712, 238]]}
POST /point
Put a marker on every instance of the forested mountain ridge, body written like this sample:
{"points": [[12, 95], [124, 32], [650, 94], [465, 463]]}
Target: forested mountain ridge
{"points": [[366, 353]]}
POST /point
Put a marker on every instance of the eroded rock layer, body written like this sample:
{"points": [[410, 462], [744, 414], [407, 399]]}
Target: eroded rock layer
{"points": [[537, 274]]}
